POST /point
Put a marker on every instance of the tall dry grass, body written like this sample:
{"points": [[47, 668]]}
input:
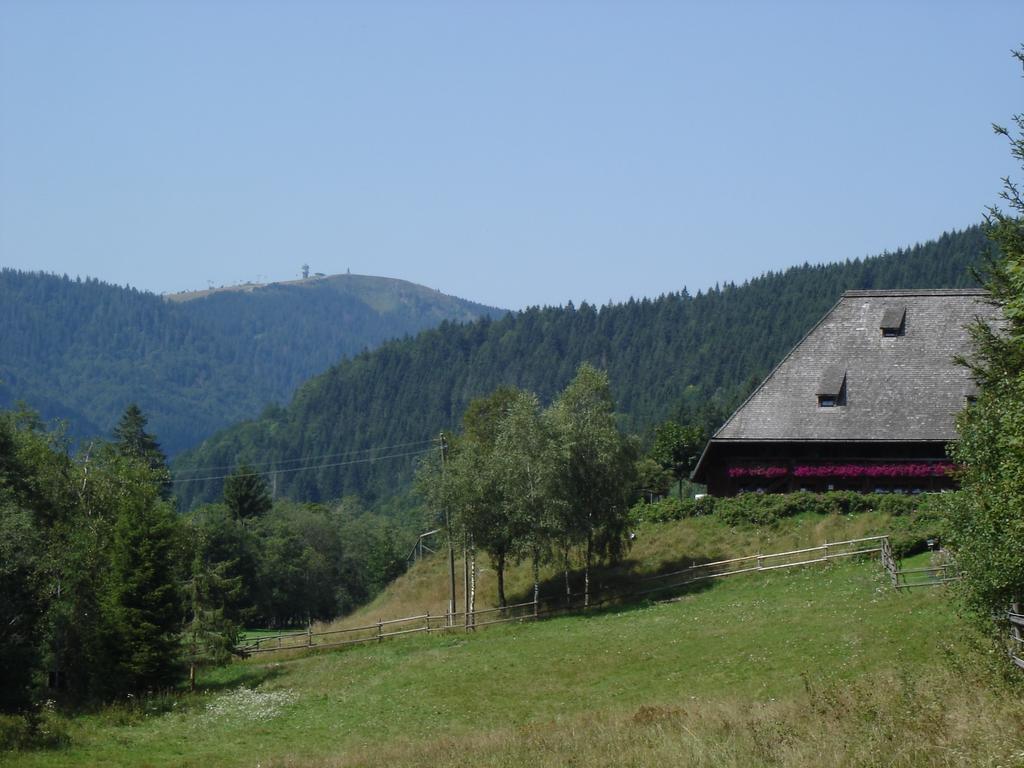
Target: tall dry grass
{"points": [[945, 721]]}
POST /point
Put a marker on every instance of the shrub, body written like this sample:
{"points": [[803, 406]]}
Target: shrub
{"points": [[31, 731], [897, 505], [671, 508], [767, 508], [15, 732]]}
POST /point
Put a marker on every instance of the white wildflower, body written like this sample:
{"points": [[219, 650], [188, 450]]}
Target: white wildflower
{"points": [[249, 704]]}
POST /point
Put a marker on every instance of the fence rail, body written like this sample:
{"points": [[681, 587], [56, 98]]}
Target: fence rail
{"points": [[427, 623], [1016, 617], [424, 623], [753, 563]]}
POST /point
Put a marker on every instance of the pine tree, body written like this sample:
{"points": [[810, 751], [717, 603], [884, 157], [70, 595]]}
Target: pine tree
{"points": [[143, 600], [132, 439], [246, 494], [209, 635]]}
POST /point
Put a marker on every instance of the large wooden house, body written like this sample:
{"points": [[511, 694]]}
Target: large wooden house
{"points": [[867, 401]]}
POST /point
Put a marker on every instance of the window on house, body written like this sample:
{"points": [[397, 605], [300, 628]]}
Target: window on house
{"points": [[894, 322], [832, 388]]}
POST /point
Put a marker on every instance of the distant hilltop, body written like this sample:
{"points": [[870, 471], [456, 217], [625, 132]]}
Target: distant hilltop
{"points": [[249, 287], [194, 361]]}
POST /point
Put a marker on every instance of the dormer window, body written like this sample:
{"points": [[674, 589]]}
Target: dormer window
{"points": [[894, 322], [832, 388]]}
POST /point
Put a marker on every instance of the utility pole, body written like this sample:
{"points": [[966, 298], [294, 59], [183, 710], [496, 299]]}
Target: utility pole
{"points": [[451, 545]]}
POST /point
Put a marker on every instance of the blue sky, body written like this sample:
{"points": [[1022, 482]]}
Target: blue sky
{"points": [[512, 153]]}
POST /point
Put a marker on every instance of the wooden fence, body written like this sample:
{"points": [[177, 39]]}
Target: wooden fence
{"points": [[754, 563], [383, 629], [427, 623], [1016, 617], [904, 578]]}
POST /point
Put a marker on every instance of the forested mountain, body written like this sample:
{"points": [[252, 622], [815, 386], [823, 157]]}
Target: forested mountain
{"points": [[82, 349], [667, 357]]}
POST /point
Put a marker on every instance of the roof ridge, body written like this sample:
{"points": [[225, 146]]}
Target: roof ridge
{"points": [[917, 292]]}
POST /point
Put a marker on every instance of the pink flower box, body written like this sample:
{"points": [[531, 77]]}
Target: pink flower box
{"points": [[847, 471]]}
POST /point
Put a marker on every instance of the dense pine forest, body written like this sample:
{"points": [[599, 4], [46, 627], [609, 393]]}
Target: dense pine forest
{"points": [[357, 428], [82, 350]]}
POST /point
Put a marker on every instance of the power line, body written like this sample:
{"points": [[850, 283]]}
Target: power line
{"points": [[274, 463], [367, 460]]}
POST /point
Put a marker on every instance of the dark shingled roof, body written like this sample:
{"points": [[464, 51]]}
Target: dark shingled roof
{"points": [[903, 388]]}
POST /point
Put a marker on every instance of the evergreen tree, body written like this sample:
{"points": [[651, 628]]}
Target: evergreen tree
{"points": [[246, 494], [209, 635], [234, 549], [22, 606], [132, 439], [144, 601]]}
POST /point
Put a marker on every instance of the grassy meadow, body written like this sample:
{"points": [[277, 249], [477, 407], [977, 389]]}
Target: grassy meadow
{"points": [[824, 665]]}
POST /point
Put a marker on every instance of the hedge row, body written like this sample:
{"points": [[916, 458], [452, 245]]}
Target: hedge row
{"points": [[916, 518]]}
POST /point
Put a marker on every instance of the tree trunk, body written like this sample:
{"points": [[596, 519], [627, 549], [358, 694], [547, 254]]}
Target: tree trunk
{"points": [[501, 580]]}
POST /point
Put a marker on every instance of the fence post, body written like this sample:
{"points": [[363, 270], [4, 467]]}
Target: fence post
{"points": [[889, 562], [309, 634], [1016, 636], [379, 630], [826, 550], [760, 562], [426, 623]]}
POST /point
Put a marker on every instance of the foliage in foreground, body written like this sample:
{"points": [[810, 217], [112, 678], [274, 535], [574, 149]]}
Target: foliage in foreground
{"points": [[987, 528]]}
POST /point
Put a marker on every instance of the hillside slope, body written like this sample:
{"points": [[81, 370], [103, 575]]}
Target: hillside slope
{"points": [[824, 666], [82, 350], [669, 356]]}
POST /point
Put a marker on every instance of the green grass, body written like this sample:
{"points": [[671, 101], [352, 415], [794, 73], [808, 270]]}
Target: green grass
{"points": [[764, 642], [821, 665], [659, 547], [253, 634]]}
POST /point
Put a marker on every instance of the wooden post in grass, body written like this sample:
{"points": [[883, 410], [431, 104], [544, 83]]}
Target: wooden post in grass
{"points": [[1017, 636], [309, 633], [889, 562], [380, 625], [426, 623]]}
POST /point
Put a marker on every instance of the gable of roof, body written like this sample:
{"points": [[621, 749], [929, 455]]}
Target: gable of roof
{"points": [[904, 387]]}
